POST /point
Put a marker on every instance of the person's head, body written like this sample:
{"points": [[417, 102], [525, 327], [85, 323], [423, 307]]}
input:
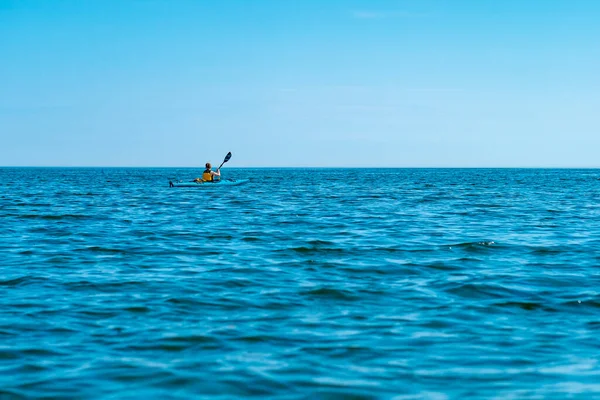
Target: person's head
{"points": [[208, 166]]}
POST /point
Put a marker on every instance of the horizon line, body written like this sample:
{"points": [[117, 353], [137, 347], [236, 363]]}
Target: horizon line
{"points": [[302, 167]]}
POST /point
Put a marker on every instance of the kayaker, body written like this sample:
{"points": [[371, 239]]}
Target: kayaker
{"points": [[209, 175]]}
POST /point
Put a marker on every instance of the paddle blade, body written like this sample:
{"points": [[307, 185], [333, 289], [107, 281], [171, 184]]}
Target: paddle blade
{"points": [[227, 157]]}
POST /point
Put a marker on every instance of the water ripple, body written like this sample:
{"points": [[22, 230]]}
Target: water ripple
{"points": [[302, 283]]}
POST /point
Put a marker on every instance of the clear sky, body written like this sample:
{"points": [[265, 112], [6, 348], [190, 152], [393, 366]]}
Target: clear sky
{"points": [[406, 83]]}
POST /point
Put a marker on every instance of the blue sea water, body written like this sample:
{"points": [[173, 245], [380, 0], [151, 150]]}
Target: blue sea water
{"points": [[302, 283]]}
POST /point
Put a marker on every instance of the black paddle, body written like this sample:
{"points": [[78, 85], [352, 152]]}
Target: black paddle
{"points": [[227, 157]]}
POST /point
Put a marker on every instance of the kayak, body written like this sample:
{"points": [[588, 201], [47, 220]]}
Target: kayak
{"points": [[223, 182]]}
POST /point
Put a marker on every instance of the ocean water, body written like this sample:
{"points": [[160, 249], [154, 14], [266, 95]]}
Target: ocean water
{"points": [[302, 283]]}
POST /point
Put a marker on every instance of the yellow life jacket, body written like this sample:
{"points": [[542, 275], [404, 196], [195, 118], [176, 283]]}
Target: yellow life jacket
{"points": [[207, 176]]}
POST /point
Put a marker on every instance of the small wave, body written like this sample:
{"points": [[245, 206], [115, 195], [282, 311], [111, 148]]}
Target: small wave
{"points": [[316, 250], [20, 281], [331, 293], [593, 303], [216, 237], [190, 339], [488, 205], [40, 352], [57, 217], [253, 339], [428, 199], [183, 301], [8, 354], [239, 283], [443, 266], [99, 249], [525, 305], [99, 314], [251, 239], [548, 250], [138, 309], [473, 246], [81, 285], [470, 259], [480, 291], [318, 243]]}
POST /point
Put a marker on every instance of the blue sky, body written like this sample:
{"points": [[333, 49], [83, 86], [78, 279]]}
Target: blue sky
{"points": [[414, 83]]}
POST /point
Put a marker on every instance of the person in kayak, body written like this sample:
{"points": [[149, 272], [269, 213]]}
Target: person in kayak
{"points": [[209, 175]]}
